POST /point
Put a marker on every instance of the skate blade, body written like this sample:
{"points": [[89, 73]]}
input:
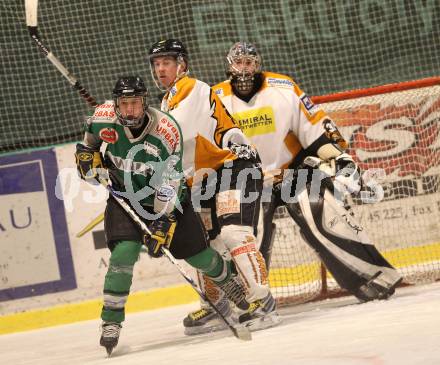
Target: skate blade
{"points": [[242, 333], [261, 323], [109, 351], [200, 330]]}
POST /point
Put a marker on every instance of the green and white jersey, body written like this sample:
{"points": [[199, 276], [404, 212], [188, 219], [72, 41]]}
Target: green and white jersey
{"points": [[149, 166]]}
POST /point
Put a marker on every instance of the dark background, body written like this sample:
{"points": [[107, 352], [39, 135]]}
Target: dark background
{"points": [[326, 46]]}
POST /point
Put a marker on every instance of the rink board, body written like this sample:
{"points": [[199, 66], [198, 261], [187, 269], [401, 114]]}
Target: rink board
{"points": [[35, 255], [76, 299]]}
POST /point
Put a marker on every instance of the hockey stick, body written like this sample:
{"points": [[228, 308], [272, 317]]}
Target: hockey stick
{"points": [[239, 331], [91, 225], [31, 7]]}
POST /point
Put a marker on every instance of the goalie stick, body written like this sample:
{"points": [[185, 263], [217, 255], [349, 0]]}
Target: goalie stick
{"points": [[239, 331], [31, 7]]}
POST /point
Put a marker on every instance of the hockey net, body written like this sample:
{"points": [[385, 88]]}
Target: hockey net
{"points": [[326, 46], [398, 132]]}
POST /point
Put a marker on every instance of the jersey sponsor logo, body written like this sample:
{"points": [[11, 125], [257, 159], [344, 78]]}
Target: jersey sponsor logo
{"points": [[104, 111], [108, 135], [219, 91], [228, 202], [165, 193], [127, 165], [168, 134], [272, 81], [173, 92], [308, 104], [151, 149], [256, 121]]}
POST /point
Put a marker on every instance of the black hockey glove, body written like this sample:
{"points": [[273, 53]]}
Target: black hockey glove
{"points": [[88, 162], [162, 232], [244, 151]]}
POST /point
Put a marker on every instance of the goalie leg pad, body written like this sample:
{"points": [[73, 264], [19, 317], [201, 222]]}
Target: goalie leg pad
{"points": [[343, 245], [249, 262]]}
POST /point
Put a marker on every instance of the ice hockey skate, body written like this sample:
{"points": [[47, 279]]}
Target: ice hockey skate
{"points": [[374, 289], [261, 314], [110, 335], [206, 319]]}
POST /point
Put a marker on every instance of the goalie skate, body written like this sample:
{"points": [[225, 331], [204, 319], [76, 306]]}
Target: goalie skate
{"points": [[261, 314], [376, 289], [110, 335]]}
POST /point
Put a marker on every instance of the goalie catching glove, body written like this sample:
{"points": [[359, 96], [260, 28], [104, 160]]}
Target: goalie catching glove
{"points": [[162, 232], [88, 162]]}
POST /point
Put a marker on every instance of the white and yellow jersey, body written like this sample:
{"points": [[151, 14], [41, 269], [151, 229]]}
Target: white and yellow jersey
{"points": [[280, 119], [207, 127]]}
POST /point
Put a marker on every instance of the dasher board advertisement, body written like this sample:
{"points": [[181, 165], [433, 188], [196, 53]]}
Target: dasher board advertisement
{"points": [[35, 253]]}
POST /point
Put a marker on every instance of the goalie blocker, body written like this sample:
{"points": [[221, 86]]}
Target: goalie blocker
{"points": [[341, 243]]}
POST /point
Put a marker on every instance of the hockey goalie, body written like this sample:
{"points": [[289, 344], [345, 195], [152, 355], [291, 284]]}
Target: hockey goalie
{"points": [[303, 152]]}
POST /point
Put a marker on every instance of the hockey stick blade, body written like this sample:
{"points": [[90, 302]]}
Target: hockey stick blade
{"points": [[31, 8], [238, 330]]}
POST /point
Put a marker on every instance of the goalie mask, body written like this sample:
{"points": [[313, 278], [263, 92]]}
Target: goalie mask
{"points": [[242, 66], [130, 101], [169, 48]]}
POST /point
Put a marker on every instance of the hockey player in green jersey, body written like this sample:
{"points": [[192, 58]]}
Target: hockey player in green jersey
{"points": [[143, 160]]}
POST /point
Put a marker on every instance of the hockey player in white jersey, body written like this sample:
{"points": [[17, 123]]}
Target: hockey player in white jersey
{"points": [[215, 153], [288, 129]]}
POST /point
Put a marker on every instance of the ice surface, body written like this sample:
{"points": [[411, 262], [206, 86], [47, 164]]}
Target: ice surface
{"points": [[404, 330]]}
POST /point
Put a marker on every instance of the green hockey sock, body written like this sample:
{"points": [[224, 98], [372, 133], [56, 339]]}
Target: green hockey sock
{"points": [[212, 264], [118, 280]]}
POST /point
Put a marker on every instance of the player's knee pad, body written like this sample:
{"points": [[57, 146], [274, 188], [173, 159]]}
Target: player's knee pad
{"points": [[249, 262]]}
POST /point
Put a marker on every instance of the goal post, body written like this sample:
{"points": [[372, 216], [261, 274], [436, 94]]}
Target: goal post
{"points": [[394, 129]]}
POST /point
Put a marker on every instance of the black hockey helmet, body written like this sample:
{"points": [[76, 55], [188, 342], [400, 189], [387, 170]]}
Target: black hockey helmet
{"points": [[130, 86], [173, 48], [168, 47]]}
